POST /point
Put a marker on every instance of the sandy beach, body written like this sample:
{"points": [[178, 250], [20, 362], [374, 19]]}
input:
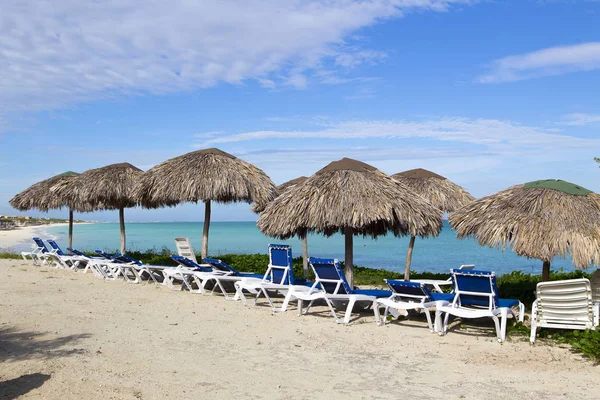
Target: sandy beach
{"points": [[20, 238], [67, 335]]}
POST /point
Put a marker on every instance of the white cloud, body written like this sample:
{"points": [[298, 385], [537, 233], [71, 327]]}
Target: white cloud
{"points": [[490, 133], [546, 62], [56, 53], [580, 119]]}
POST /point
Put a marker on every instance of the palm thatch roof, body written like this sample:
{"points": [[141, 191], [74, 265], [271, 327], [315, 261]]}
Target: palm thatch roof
{"points": [[106, 188], [42, 195], [349, 194], [291, 183], [541, 220], [209, 174], [439, 191]]}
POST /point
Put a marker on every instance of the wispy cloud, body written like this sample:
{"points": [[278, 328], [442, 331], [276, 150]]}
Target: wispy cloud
{"points": [[490, 133], [580, 119], [56, 53], [546, 62]]}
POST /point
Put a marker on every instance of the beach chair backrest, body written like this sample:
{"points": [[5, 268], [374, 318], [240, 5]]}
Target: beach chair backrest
{"points": [[184, 249], [105, 255], [221, 266], [55, 247], [41, 245], [126, 259], [475, 288], [76, 252], [410, 291], [329, 275], [186, 262], [595, 282], [280, 265], [566, 302]]}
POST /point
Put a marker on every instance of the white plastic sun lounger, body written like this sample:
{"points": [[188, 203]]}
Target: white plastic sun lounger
{"points": [[476, 296], [37, 252], [438, 284], [227, 277], [411, 296], [564, 304], [278, 278], [188, 273], [332, 287], [185, 249]]}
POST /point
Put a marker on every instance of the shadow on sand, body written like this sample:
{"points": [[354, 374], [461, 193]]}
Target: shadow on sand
{"points": [[14, 388], [17, 345]]}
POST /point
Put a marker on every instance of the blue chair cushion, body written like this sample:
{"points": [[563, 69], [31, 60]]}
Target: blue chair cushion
{"points": [[449, 297], [373, 292], [509, 303]]}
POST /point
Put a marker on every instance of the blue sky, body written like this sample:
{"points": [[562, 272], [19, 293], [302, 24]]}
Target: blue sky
{"points": [[487, 93]]}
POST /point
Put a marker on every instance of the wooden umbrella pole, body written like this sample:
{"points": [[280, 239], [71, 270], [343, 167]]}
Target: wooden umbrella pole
{"points": [[206, 228], [122, 224], [349, 261], [411, 245], [546, 271], [305, 257], [70, 229]]}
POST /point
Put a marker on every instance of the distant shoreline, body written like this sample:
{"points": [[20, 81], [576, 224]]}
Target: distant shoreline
{"points": [[18, 238]]}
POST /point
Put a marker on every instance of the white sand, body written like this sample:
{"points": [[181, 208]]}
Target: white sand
{"points": [[67, 335], [20, 238]]}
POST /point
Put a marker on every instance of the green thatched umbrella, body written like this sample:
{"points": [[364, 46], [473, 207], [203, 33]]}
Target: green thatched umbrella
{"points": [[204, 175], [541, 219], [106, 188], [43, 196], [353, 198], [437, 190]]}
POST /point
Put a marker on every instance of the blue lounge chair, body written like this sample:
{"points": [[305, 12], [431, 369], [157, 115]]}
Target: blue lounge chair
{"points": [[331, 285], [37, 252], [73, 262], [228, 276], [411, 296], [188, 272], [278, 278], [476, 296]]}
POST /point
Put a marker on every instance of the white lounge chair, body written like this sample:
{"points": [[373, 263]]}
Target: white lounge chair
{"points": [[437, 284], [39, 249], [278, 278], [188, 273], [185, 249], [564, 304], [332, 287], [476, 296], [72, 262], [411, 296]]}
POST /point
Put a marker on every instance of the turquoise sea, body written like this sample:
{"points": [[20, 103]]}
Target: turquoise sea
{"points": [[435, 254]]}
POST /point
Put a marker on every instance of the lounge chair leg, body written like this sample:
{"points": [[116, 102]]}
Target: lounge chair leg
{"points": [[377, 313], [498, 328], [534, 312], [348, 313], [428, 316]]}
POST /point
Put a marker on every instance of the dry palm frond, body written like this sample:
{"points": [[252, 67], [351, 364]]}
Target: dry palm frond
{"points": [[537, 222], [349, 194], [439, 191], [209, 174], [42, 194], [106, 188]]}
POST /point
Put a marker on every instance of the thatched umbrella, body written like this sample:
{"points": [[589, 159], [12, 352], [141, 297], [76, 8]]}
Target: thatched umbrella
{"points": [[541, 219], [437, 190], [43, 196], [204, 175], [107, 188], [353, 198]]}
